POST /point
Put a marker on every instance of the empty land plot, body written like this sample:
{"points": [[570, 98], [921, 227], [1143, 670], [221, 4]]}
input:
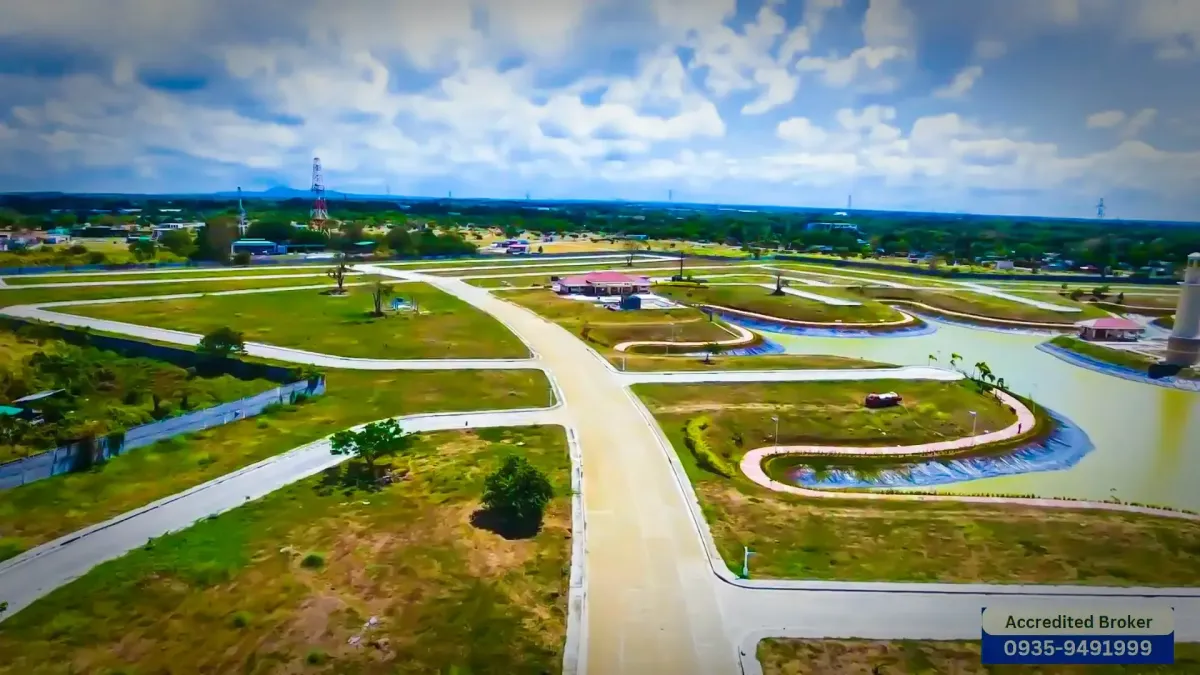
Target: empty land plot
{"points": [[759, 300], [796, 537], [14, 295], [166, 274], [443, 328], [605, 328], [859, 276], [1086, 309], [978, 304], [39, 512], [785, 656], [285, 583], [643, 362]]}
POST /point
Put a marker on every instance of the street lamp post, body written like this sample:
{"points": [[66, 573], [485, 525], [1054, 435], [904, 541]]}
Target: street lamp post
{"points": [[974, 421], [746, 553], [775, 418]]}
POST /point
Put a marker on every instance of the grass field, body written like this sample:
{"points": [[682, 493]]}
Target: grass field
{"points": [[541, 276], [781, 656], [979, 304], [444, 328], [853, 275], [607, 328], [761, 301], [285, 583], [643, 362], [14, 295], [859, 540], [38, 512], [159, 275]]}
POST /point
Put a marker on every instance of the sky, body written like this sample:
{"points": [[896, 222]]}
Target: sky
{"points": [[1033, 107]]}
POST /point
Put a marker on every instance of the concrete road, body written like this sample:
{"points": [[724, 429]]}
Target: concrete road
{"points": [[652, 603], [40, 570], [261, 350]]}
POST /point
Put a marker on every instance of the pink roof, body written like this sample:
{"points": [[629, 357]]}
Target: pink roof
{"points": [[1111, 323], [603, 278]]}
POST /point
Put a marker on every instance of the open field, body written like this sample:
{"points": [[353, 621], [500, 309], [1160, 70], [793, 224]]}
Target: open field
{"points": [[1086, 309], [647, 268], [782, 656], [640, 362], [607, 328], [104, 392], [38, 512], [302, 272], [967, 302], [853, 275], [13, 295], [444, 327], [284, 583], [760, 300], [860, 540], [99, 251]]}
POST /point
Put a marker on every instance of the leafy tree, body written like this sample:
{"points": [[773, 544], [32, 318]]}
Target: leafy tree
{"points": [[517, 491], [712, 349], [215, 241], [222, 343], [143, 249], [378, 295], [400, 240], [630, 247], [276, 230], [372, 442], [511, 231], [338, 273], [178, 242]]}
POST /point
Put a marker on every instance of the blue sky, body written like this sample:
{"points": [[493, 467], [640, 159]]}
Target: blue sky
{"points": [[1003, 106]]}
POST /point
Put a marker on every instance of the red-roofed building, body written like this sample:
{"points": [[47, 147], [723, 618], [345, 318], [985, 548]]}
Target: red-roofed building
{"points": [[602, 283], [1109, 328]]}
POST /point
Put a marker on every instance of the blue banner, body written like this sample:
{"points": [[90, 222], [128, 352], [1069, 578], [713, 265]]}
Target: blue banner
{"points": [[1078, 649]]}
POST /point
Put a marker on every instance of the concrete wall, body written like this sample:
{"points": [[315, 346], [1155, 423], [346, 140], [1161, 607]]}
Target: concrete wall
{"points": [[63, 459]]}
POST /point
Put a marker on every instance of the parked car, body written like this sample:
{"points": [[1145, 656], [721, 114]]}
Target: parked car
{"points": [[887, 400]]}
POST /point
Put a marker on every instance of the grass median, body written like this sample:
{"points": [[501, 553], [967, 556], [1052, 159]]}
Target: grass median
{"points": [[646, 362], [796, 537], [167, 274], [444, 327], [399, 580], [783, 656], [39, 512], [977, 304], [759, 300], [13, 295], [1121, 358]]}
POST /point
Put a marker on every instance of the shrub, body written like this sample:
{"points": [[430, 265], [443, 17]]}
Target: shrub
{"points": [[240, 619], [313, 561], [517, 491], [705, 458], [241, 258], [316, 657]]}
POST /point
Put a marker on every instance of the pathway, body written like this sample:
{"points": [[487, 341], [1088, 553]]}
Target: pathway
{"points": [[741, 337], [996, 293], [852, 325], [837, 302], [38, 571], [813, 375]]}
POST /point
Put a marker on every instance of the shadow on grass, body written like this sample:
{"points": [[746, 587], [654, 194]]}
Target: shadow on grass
{"points": [[351, 477], [506, 526]]}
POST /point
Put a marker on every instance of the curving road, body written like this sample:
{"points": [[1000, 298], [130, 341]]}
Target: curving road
{"points": [[40, 570]]}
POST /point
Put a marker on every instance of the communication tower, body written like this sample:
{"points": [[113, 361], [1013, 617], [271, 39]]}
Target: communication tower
{"points": [[320, 211], [243, 224], [1100, 208]]}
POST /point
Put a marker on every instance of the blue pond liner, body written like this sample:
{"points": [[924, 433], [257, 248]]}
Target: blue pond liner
{"points": [[1090, 363], [806, 331], [1065, 446], [761, 349], [937, 318]]}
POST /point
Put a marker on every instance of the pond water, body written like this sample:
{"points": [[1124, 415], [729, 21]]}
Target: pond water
{"points": [[1146, 438]]}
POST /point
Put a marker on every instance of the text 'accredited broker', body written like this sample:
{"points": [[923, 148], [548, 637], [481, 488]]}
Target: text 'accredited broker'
{"points": [[1084, 633]]}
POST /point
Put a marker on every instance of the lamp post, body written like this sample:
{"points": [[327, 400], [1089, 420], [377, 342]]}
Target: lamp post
{"points": [[974, 421], [746, 553], [775, 418]]}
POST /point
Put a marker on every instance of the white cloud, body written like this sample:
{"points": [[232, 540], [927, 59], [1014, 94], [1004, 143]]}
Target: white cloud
{"points": [[888, 23], [1140, 121], [840, 72], [961, 84], [1105, 120], [780, 89], [802, 132], [1172, 25]]}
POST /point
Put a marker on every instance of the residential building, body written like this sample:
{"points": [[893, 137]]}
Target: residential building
{"points": [[601, 283], [1110, 329]]}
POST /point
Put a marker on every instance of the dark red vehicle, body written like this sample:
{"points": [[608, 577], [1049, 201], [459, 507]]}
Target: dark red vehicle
{"points": [[882, 400]]}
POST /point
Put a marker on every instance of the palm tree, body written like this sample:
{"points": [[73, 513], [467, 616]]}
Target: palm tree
{"points": [[932, 358], [954, 359], [378, 294]]}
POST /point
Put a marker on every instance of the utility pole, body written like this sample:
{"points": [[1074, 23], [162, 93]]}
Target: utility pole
{"points": [[746, 553]]}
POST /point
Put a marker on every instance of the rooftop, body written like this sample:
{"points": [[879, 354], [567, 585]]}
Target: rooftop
{"points": [[1110, 323], [38, 396], [603, 278]]}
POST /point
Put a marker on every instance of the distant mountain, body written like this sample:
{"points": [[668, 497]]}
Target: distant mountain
{"points": [[283, 192]]}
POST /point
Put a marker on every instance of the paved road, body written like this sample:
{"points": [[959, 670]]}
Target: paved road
{"points": [[259, 349], [997, 293], [36, 572], [190, 280], [652, 604]]}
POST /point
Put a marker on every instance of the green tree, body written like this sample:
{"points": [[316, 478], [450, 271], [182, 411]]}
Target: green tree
{"points": [[378, 295], [712, 349], [215, 241], [143, 249], [222, 343], [277, 230], [178, 242], [517, 491], [338, 273], [630, 247], [372, 442]]}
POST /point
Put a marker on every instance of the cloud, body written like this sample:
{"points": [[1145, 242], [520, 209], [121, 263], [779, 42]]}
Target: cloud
{"points": [[1105, 120], [961, 84], [990, 49], [1140, 121]]}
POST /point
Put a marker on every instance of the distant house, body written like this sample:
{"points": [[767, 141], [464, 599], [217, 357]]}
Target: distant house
{"points": [[257, 247], [1110, 329], [831, 227], [1004, 265], [602, 283]]}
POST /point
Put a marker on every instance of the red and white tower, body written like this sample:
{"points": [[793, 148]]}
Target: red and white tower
{"points": [[320, 212]]}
